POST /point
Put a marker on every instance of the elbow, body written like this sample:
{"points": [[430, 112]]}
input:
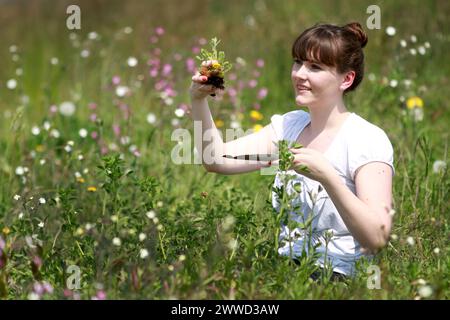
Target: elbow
{"points": [[376, 244], [211, 168]]}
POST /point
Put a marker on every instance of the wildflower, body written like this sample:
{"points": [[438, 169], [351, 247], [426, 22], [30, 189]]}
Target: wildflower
{"points": [[143, 253], [436, 250], [68, 148], [410, 241], [216, 65], [160, 227], [179, 113], [181, 258], [132, 62], [155, 220], [21, 215], [16, 197], [439, 166], [41, 224], [11, 84], [257, 127], [67, 108], [79, 231], [42, 200], [393, 83], [390, 31], [6, 231], [425, 291], [403, 43], [54, 61], [117, 242], [159, 31], [122, 91], [92, 35], [83, 133], [128, 30], [70, 143], [151, 214], [80, 157], [170, 267], [413, 51], [256, 115], [219, 123], [417, 114], [260, 63], [33, 296], [85, 53], [159, 204], [427, 45], [91, 189], [20, 170], [142, 236], [262, 93], [421, 50], [394, 237], [114, 218], [413, 39], [252, 83], [414, 102], [54, 133]]}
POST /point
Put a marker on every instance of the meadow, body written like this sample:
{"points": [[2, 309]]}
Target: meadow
{"points": [[92, 205]]}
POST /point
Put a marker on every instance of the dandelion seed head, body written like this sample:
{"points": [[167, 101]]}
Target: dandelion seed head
{"points": [[132, 62], [390, 31], [117, 242], [425, 291], [143, 253], [11, 84]]}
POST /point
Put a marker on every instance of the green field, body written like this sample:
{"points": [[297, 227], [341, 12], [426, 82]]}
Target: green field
{"points": [[90, 199]]}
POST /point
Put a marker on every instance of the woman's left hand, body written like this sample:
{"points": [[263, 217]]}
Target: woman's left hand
{"points": [[319, 168]]}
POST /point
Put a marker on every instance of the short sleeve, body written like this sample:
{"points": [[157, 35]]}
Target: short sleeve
{"points": [[372, 146], [286, 125]]}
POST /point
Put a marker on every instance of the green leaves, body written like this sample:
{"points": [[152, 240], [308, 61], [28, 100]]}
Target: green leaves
{"points": [[206, 55]]}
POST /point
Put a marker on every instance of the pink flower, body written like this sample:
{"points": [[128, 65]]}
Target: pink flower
{"points": [[232, 92], [177, 57], [157, 51], [37, 288], [101, 295], [93, 117], [167, 69], [159, 31], [116, 129], [183, 106], [260, 63], [104, 150], [153, 73], [262, 93], [256, 106], [47, 287], [153, 39], [92, 105], [232, 76], [202, 41], [190, 65], [116, 80], [67, 293], [195, 50], [53, 109], [94, 135], [256, 73], [252, 83]]}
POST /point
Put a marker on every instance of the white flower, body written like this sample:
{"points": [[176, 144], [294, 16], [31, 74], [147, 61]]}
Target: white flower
{"points": [[413, 51], [232, 244], [85, 170], [151, 118], [235, 125], [151, 214], [439, 166], [80, 157], [114, 218], [168, 101], [68, 148], [427, 45], [42, 162], [371, 77], [155, 220], [132, 62], [11, 84], [421, 50], [54, 61], [394, 237], [125, 140], [92, 35], [33, 296], [16, 197], [42, 200], [35, 130], [117, 242], [413, 39], [21, 215], [121, 91], [142, 236], [159, 227], [67, 108], [84, 53], [128, 30], [393, 83], [410, 241], [55, 133], [390, 31], [83, 133], [88, 226], [143, 253], [175, 122], [77, 174], [13, 48], [20, 171], [241, 61], [41, 224], [182, 258], [425, 291], [159, 204], [19, 72], [436, 250], [47, 125], [417, 113], [70, 143], [179, 113], [403, 43]]}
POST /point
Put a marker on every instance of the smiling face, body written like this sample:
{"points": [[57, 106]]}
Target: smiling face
{"points": [[316, 83]]}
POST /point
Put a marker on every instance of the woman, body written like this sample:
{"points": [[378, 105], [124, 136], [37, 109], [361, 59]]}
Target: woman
{"points": [[348, 187]]}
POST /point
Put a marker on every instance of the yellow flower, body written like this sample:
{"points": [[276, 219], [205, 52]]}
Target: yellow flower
{"points": [[91, 189], [414, 102], [216, 65], [6, 230], [219, 123], [257, 127], [40, 148], [80, 180], [256, 115]]}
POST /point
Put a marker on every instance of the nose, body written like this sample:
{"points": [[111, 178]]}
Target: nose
{"points": [[300, 72]]}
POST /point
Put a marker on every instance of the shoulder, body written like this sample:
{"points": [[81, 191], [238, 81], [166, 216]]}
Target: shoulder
{"points": [[285, 124], [362, 131]]}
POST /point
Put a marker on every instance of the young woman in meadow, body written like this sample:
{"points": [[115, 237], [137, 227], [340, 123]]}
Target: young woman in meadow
{"points": [[348, 188]]}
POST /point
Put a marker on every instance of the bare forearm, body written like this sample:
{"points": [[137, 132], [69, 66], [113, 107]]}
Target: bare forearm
{"points": [[365, 225]]}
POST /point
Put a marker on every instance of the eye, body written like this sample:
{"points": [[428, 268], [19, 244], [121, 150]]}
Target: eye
{"points": [[316, 66], [298, 61]]}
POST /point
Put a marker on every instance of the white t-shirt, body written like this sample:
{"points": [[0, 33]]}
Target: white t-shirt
{"points": [[358, 142]]}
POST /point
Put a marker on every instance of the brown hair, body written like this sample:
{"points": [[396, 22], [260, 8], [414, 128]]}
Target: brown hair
{"points": [[334, 46]]}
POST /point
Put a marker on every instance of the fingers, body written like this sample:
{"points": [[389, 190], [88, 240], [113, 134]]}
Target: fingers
{"points": [[295, 150], [199, 78], [208, 63]]}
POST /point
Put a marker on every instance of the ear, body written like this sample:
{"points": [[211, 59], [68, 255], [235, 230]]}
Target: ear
{"points": [[347, 80]]}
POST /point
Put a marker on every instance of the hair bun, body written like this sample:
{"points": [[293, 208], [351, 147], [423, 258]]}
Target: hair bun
{"points": [[357, 30]]}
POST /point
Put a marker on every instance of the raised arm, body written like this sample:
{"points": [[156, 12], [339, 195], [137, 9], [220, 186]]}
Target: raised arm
{"points": [[210, 143]]}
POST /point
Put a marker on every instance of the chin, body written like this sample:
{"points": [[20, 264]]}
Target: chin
{"points": [[301, 101]]}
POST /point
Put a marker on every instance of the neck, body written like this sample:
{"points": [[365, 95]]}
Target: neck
{"points": [[327, 116]]}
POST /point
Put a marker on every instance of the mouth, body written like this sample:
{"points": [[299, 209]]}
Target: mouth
{"points": [[303, 88]]}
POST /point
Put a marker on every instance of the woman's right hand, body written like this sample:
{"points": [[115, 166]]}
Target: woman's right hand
{"points": [[199, 90]]}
